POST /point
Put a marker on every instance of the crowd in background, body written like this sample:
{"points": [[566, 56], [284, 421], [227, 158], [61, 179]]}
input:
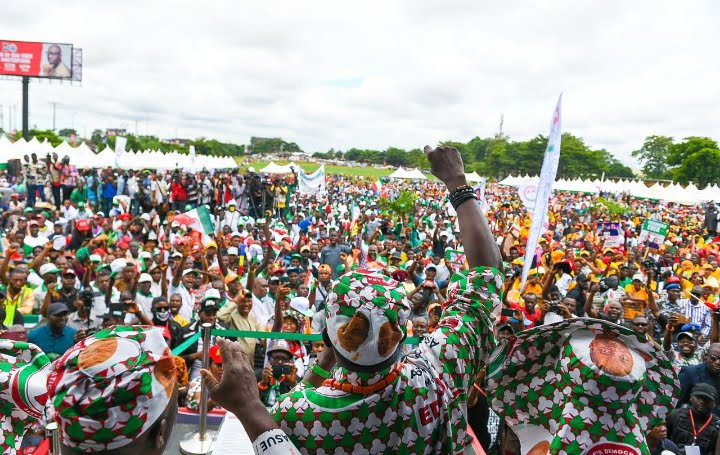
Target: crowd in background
{"points": [[85, 250]]}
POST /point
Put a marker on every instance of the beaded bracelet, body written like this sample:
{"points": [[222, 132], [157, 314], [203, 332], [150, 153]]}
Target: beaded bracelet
{"points": [[461, 194], [320, 371]]}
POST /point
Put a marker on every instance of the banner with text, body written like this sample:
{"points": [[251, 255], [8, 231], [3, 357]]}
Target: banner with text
{"points": [[544, 189], [312, 183], [23, 58]]}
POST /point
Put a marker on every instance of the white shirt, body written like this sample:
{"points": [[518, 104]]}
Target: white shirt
{"points": [[264, 309]]}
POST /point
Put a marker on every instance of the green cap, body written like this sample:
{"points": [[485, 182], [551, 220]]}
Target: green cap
{"points": [[83, 254]]}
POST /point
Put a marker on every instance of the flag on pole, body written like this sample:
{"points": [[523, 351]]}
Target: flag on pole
{"points": [[193, 159], [310, 281], [377, 186], [198, 220], [544, 189], [120, 143]]}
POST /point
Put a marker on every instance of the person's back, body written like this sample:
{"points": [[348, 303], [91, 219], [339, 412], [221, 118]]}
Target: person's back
{"points": [[420, 411]]}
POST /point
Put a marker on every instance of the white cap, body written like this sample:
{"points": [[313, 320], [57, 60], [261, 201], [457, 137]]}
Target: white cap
{"points": [[49, 268], [95, 258], [639, 277], [175, 224], [232, 202], [235, 234], [145, 216], [445, 233], [117, 265], [251, 169], [302, 305], [232, 251], [211, 294], [145, 255], [188, 271], [145, 278]]}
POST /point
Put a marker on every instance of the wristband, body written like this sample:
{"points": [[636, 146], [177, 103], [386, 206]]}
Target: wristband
{"points": [[274, 442], [320, 371], [461, 194]]}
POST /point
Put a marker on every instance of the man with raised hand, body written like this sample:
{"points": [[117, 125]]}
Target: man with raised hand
{"points": [[373, 402]]}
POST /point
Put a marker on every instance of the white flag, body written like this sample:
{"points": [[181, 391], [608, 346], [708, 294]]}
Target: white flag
{"points": [[544, 189], [120, 143], [312, 183], [193, 159]]}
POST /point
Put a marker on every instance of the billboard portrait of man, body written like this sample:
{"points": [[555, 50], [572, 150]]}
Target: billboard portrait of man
{"points": [[53, 65]]}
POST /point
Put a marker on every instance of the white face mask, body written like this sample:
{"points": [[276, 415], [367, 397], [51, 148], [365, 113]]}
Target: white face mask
{"points": [[162, 317]]}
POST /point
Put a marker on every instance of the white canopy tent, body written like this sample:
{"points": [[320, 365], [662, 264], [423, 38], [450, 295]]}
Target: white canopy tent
{"points": [[401, 173], [673, 192], [83, 157]]}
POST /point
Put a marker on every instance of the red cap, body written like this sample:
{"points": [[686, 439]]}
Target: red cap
{"points": [[83, 225], [215, 354], [33, 223], [124, 217]]}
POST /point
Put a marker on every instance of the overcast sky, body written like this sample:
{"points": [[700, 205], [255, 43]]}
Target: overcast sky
{"points": [[375, 74]]}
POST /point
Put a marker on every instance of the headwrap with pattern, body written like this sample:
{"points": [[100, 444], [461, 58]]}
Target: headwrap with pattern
{"points": [[366, 316], [581, 386], [111, 387], [24, 369]]}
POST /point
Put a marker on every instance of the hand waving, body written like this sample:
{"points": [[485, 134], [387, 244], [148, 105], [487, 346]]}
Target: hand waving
{"points": [[238, 387]]}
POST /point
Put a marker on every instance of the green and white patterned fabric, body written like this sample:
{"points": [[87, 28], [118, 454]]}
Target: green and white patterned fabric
{"points": [[581, 386], [423, 410], [111, 387], [24, 370]]}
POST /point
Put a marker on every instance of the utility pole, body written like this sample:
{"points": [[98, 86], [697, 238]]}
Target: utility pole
{"points": [[502, 120], [54, 104], [26, 106]]}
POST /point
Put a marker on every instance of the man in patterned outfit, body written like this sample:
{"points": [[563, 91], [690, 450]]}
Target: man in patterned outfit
{"points": [[371, 402]]}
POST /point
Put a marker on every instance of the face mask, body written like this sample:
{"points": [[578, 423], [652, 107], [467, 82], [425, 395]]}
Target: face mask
{"points": [[161, 316]]}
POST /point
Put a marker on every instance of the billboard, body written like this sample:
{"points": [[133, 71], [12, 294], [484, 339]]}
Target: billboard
{"points": [[23, 58], [77, 64]]}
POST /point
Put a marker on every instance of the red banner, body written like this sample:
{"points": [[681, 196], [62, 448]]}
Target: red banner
{"points": [[22, 58]]}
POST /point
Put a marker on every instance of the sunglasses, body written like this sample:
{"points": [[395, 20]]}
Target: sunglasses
{"points": [[640, 324], [162, 309], [713, 357]]}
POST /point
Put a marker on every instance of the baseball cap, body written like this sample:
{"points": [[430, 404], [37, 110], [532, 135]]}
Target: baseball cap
{"points": [[638, 277], [145, 278], [57, 308], [83, 225], [189, 271], [49, 268], [581, 278], [705, 390], [685, 334], [69, 271], [279, 345], [232, 251]]}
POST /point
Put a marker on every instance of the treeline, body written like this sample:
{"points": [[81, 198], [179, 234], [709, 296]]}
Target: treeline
{"points": [[499, 156], [695, 159]]}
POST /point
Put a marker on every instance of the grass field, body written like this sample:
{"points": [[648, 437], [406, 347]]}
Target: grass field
{"points": [[329, 168]]}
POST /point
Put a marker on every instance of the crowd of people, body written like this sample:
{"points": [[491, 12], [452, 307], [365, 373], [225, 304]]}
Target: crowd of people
{"points": [[94, 257]]}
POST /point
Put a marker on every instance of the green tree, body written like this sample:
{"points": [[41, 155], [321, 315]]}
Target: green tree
{"points": [[654, 155], [697, 160], [396, 157], [66, 132], [43, 135]]}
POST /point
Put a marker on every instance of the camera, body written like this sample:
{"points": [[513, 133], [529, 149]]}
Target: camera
{"points": [[554, 307], [86, 295], [279, 370]]}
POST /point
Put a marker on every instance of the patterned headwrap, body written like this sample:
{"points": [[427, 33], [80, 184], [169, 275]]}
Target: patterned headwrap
{"points": [[111, 387], [581, 386], [366, 316], [24, 369]]}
